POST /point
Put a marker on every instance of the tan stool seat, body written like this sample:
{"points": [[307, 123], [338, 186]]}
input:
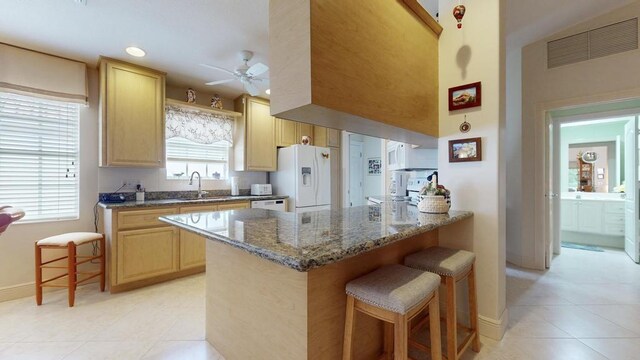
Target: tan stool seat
{"points": [[77, 238], [442, 261], [395, 288]]}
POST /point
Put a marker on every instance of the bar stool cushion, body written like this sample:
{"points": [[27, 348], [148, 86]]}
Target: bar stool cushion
{"points": [[395, 287], [442, 261], [77, 238]]}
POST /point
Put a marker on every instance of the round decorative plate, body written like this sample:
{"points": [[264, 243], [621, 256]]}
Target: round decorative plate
{"points": [[465, 127]]}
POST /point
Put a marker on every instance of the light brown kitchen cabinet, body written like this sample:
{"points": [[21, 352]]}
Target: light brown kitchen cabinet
{"points": [[146, 253], [131, 115], [303, 129], [319, 136], [193, 246], [255, 136], [234, 206], [333, 137], [285, 132]]}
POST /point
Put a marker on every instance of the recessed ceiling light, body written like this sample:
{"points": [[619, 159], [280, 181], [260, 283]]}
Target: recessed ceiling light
{"points": [[268, 91], [135, 51]]}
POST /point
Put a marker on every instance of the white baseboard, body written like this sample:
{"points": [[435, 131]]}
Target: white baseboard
{"points": [[17, 291], [492, 328]]}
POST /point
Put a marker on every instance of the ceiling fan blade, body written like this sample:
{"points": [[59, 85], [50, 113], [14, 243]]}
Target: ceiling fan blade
{"points": [[251, 89], [220, 82], [257, 69], [218, 68]]}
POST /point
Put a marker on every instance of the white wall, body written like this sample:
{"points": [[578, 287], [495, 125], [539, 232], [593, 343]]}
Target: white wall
{"points": [[476, 53], [601, 80], [372, 183], [16, 244]]}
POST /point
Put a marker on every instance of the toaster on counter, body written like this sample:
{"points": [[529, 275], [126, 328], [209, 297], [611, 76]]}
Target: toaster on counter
{"points": [[261, 189]]}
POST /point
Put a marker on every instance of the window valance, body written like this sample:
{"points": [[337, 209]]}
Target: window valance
{"points": [[32, 73], [198, 126]]}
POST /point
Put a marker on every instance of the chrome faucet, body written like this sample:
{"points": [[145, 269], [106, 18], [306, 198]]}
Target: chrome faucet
{"points": [[200, 192]]}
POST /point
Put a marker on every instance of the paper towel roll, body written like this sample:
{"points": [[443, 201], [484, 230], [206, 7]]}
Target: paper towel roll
{"points": [[235, 186]]}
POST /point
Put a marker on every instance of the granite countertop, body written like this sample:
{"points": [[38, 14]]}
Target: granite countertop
{"points": [[386, 198], [310, 240], [191, 201]]}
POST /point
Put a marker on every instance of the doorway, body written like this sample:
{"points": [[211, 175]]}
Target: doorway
{"points": [[593, 168], [356, 172]]}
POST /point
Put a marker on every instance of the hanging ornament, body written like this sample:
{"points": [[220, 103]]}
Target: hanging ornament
{"points": [[465, 126], [458, 13]]}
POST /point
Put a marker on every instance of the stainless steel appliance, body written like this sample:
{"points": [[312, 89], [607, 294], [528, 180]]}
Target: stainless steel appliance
{"points": [[261, 189]]}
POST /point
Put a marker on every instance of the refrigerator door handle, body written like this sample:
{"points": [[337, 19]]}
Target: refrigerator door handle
{"points": [[316, 177]]}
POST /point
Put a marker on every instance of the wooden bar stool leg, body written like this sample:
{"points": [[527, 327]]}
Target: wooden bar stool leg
{"points": [[102, 264], [473, 308], [434, 327], [401, 338], [388, 340], [349, 325], [452, 321], [72, 273], [38, 275]]}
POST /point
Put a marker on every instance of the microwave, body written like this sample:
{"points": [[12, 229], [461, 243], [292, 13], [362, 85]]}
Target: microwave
{"points": [[401, 156]]}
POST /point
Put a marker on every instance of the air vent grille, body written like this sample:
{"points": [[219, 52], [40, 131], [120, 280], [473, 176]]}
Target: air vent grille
{"points": [[604, 41]]}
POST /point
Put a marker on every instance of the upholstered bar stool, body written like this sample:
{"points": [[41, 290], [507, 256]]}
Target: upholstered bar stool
{"points": [[70, 242], [394, 294], [453, 266]]}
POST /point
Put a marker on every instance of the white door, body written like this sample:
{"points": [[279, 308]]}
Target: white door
{"points": [[552, 205], [631, 245], [323, 184], [356, 173], [306, 175]]}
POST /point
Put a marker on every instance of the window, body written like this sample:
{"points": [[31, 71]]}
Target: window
{"points": [[39, 157], [197, 140], [185, 156]]}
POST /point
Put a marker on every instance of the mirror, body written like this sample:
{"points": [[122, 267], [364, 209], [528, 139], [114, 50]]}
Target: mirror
{"points": [[593, 167]]}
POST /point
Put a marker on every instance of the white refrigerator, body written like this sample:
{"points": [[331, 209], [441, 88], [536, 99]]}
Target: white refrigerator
{"points": [[304, 174]]}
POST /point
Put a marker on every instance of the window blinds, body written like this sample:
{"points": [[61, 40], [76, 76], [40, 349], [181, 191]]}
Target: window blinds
{"points": [[181, 149], [39, 157]]}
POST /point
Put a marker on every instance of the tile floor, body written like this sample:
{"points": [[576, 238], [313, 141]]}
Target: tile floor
{"points": [[586, 307]]}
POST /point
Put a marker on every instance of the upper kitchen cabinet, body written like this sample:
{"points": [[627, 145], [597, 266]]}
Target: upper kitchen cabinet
{"points": [[320, 136], [131, 115], [303, 129], [330, 66], [285, 132], [255, 136], [333, 138]]}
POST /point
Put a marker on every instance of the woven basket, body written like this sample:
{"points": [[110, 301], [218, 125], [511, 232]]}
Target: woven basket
{"points": [[436, 204]]}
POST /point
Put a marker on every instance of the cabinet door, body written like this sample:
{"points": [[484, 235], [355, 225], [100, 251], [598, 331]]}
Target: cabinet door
{"points": [[569, 215], [193, 246], [146, 253], [303, 129], [285, 132], [135, 219], [261, 137], [133, 117], [590, 216], [234, 206], [320, 136], [333, 137]]}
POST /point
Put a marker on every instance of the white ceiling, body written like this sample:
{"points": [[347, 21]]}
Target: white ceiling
{"points": [[179, 35]]}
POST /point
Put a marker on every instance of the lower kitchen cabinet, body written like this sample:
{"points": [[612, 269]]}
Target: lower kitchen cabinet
{"points": [[146, 253], [234, 206], [192, 246]]}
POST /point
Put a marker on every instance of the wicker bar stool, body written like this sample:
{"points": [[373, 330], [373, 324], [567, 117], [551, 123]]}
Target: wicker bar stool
{"points": [[69, 241], [394, 294], [453, 266]]}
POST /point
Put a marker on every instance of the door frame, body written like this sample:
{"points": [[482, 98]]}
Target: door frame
{"points": [[361, 143], [547, 213]]}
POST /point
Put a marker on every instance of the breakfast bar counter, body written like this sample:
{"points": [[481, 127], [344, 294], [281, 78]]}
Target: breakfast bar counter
{"points": [[276, 280]]}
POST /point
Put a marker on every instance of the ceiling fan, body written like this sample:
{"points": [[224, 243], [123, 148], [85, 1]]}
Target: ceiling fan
{"points": [[244, 73]]}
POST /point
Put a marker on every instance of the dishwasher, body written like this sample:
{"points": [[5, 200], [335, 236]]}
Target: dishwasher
{"points": [[280, 204]]}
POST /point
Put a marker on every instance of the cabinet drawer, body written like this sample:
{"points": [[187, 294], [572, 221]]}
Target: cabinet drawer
{"points": [[614, 218], [614, 207], [146, 253], [198, 208], [614, 229], [234, 206], [133, 219]]}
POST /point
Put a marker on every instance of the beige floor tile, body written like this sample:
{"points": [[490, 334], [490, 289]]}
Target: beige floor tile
{"points": [[627, 316], [618, 349], [110, 350], [183, 350], [38, 351]]}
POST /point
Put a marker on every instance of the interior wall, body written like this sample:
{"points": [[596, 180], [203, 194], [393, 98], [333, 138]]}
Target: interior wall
{"points": [[372, 182], [594, 81], [477, 53]]}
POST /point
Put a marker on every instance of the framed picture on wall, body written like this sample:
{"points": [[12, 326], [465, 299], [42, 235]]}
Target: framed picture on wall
{"points": [[375, 166], [465, 96], [464, 150]]}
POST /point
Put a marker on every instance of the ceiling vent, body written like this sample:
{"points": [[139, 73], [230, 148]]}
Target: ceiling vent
{"points": [[592, 44]]}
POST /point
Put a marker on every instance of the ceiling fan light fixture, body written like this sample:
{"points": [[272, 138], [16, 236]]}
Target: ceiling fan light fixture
{"points": [[135, 51]]}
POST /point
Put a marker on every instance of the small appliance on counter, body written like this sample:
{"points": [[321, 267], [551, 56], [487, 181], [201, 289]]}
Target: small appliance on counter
{"points": [[261, 189], [398, 186], [235, 186]]}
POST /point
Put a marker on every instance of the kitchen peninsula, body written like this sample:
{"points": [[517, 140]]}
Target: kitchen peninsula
{"points": [[275, 281]]}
